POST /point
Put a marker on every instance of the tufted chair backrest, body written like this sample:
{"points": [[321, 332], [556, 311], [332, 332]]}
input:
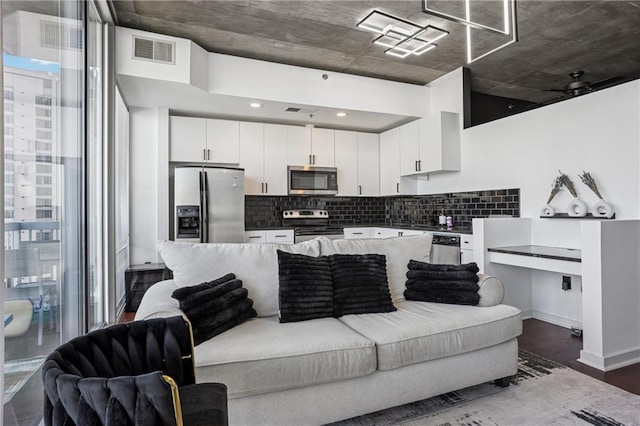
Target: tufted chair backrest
{"points": [[123, 374]]}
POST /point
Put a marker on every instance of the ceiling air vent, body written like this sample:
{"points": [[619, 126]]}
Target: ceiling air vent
{"points": [[153, 50], [305, 111]]}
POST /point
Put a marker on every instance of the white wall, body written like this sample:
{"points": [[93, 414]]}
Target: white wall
{"points": [[611, 276], [149, 182], [597, 133], [249, 78], [190, 60]]}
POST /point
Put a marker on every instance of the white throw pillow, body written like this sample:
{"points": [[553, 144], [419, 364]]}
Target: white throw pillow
{"points": [[255, 264], [398, 251]]}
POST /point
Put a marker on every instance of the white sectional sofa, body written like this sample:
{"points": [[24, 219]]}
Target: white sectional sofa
{"points": [[329, 369]]}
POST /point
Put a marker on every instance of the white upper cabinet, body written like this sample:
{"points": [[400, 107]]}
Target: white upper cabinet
{"points": [[440, 145], [188, 139], [390, 162], [357, 159], [322, 147], [263, 155], [204, 140], [310, 146], [431, 144], [252, 157], [223, 141], [368, 164], [410, 148], [275, 159], [298, 145], [346, 160]]}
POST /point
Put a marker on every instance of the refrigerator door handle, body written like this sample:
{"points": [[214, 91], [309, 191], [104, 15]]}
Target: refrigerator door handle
{"points": [[204, 207]]}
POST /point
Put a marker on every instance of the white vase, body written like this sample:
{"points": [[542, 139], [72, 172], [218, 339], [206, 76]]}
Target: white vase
{"points": [[547, 211], [577, 208], [602, 209]]}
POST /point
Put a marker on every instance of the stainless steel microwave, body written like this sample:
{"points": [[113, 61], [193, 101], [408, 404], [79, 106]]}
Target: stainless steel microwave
{"points": [[312, 180]]}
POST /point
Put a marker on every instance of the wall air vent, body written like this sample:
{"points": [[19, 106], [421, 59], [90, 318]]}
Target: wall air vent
{"points": [[55, 35], [153, 50]]}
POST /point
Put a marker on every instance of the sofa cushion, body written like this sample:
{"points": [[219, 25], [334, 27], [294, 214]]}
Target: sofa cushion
{"points": [[421, 331], [263, 355], [360, 284], [456, 284], [306, 288], [397, 250], [255, 264], [215, 307]]}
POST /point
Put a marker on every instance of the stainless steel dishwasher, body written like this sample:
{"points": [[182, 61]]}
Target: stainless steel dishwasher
{"points": [[445, 249]]}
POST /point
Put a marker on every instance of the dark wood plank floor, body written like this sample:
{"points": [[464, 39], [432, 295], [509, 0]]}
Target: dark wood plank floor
{"points": [[559, 345]]}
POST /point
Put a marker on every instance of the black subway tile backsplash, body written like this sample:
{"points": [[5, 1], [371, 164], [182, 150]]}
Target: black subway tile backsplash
{"points": [[266, 211]]}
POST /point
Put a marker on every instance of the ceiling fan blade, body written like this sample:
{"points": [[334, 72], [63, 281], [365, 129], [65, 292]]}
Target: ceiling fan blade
{"points": [[607, 81]]}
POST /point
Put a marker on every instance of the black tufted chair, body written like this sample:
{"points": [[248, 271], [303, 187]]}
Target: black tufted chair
{"points": [[140, 373]]}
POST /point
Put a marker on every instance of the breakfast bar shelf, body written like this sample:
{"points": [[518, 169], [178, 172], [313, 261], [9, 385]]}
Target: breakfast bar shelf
{"points": [[544, 258]]}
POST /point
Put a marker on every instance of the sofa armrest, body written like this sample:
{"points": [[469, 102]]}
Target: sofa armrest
{"points": [[158, 303], [491, 290]]}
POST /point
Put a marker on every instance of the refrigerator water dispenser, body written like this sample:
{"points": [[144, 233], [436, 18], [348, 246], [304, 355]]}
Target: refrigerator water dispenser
{"points": [[188, 221]]}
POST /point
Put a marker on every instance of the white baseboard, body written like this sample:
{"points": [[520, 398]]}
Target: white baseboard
{"points": [[556, 319], [611, 362]]}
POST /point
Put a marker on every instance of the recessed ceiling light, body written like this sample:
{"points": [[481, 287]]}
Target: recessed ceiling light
{"points": [[341, 114], [255, 105]]}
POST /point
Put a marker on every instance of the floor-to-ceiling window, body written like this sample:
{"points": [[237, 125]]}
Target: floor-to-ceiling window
{"points": [[53, 227]]}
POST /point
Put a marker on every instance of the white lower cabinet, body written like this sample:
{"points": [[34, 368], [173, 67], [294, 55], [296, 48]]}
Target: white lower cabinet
{"points": [[358, 233], [255, 237], [466, 248], [285, 236], [282, 236]]}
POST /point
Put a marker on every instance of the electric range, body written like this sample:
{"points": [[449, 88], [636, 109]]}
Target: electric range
{"points": [[310, 223]]}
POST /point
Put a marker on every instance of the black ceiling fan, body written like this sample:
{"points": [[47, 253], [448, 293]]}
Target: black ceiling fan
{"points": [[580, 87]]}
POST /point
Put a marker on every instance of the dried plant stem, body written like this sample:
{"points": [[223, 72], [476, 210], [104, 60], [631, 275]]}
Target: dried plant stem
{"points": [[566, 181], [555, 188], [590, 182]]}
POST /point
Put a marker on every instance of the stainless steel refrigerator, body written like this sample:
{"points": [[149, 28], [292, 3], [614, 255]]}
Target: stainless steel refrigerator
{"points": [[208, 204]]}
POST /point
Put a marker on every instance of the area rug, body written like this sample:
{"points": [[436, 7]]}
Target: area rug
{"points": [[17, 372], [542, 393]]}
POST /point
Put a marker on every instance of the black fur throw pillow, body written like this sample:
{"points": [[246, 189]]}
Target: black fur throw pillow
{"points": [[215, 306], [453, 284], [360, 284], [305, 288]]}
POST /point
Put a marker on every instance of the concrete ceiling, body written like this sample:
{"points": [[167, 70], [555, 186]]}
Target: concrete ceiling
{"points": [[555, 38]]}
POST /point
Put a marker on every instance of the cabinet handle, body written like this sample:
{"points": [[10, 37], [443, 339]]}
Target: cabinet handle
{"points": [[419, 165], [208, 154], [281, 236], [357, 233], [254, 236], [204, 154], [262, 187], [310, 159], [416, 165], [314, 159], [266, 187], [398, 187], [359, 189]]}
